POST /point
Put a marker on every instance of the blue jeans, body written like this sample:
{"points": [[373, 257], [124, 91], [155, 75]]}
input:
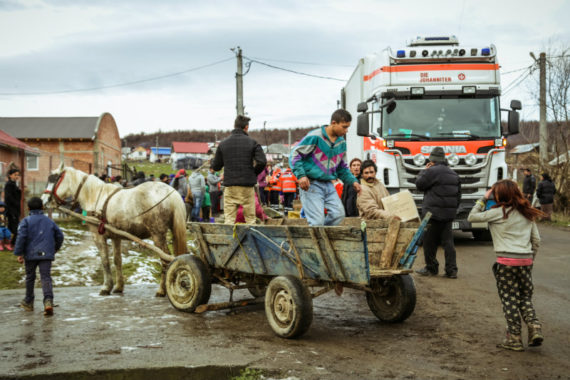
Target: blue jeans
{"points": [[321, 195], [45, 277], [197, 195]]}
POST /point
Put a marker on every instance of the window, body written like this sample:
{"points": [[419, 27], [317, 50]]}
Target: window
{"points": [[32, 162]]}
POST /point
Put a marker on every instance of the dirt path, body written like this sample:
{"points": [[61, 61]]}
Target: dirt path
{"points": [[451, 334]]}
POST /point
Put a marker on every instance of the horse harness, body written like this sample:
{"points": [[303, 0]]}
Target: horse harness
{"points": [[103, 215]]}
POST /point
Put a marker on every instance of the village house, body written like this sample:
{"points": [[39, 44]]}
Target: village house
{"points": [[90, 144], [138, 154], [161, 154], [15, 152]]}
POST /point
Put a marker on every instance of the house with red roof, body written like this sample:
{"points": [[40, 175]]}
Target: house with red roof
{"points": [[182, 149], [14, 153]]}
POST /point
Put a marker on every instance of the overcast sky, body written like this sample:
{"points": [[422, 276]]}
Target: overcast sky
{"points": [[57, 47]]}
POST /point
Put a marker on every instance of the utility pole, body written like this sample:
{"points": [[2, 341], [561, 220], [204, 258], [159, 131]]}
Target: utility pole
{"points": [[239, 82], [542, 129], [289, 138]]}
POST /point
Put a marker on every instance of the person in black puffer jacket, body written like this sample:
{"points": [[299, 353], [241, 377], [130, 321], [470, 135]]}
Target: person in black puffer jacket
{"points": [[545, 194], [442, 194], [243, 159]]}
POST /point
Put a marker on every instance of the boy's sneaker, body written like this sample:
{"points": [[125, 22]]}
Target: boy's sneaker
{"points": [[27, 306], [48, 307]]}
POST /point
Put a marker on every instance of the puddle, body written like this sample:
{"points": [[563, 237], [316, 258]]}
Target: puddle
{"points": [[179, 373]]}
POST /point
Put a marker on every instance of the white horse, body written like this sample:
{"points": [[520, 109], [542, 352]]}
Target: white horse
{"points": [[148, 210]]}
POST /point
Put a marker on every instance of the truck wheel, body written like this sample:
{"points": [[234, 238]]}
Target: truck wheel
{"points": [[288, 306], [482, 235], [188, 283], [392, 299]]}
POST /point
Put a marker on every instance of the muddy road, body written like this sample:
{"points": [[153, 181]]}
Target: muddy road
{"points": [[451, 334]]}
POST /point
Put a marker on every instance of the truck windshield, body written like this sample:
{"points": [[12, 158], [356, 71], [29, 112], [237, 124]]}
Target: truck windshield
{"points": [[451, 118]]}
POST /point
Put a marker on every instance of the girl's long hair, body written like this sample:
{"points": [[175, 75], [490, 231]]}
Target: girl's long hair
{"points": [[508, 196]]}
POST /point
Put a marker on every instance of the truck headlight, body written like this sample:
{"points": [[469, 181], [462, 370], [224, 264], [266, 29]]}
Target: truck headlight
{"points": [[419, 159], [452, 159], [470, 159]]}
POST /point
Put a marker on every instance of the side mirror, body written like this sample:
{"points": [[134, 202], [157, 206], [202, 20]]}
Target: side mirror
{"points": [[362, 125], [362, 107], [516, 105], [391, 105], [513, 124]]}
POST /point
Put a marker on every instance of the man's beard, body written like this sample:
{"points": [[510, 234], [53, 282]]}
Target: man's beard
{"points": [[370, 180]]}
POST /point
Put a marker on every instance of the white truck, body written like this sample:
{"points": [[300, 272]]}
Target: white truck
{"points": [[434, 92]]}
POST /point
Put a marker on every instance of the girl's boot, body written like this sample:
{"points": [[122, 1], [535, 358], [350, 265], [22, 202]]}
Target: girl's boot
{"points": [[1, 245], [535, 336], [7, 245], [512, 342]]}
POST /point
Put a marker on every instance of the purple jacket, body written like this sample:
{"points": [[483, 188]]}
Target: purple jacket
{"points": [[261, 178]]}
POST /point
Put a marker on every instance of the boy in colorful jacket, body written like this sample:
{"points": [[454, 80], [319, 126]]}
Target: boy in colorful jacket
{"points": [[317, 160], [39, 238]]}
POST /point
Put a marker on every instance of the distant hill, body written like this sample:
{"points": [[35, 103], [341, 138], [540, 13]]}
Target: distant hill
{"points": [[268, 137]]}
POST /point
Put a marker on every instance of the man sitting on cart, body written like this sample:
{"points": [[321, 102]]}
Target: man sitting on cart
{"points": [[318, 159], [369, 201]]}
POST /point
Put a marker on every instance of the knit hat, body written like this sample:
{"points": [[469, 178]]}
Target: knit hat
{"points": [[180, 173], [437, 154]]}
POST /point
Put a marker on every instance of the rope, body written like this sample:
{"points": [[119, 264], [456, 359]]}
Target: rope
{"points": [[235, 236]]}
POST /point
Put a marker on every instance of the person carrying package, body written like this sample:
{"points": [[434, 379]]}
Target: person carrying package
{"points": [[369, 201]]}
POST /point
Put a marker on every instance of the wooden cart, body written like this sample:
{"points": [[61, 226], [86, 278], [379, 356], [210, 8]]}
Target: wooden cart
{"points": [[283, 262]]}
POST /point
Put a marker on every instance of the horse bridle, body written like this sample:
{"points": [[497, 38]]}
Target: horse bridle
{"points": [[57, 179]]}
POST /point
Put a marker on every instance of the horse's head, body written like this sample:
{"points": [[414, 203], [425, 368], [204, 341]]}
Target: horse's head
{"points": [[58, 186]]}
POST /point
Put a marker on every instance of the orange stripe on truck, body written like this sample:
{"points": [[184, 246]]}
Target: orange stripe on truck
{"points": [[440, 67]]}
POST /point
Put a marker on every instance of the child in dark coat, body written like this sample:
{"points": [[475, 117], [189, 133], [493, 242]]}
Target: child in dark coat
{"points": [[5, 233], [39, 238]]}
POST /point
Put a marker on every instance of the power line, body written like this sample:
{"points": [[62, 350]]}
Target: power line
{"points": [[117, 84], [302, 63], [293, 71], [517, 82], [517, 70]]}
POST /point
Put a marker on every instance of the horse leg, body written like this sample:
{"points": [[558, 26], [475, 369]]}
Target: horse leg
{"points": [[119, 281], [160, 242], [101, 244]]}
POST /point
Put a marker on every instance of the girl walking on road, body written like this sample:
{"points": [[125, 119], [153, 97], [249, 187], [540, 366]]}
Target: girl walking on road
{"points": [[515, 240]]}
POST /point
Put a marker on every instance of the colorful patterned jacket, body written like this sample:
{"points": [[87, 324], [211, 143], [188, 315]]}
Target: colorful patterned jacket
{"points": [[318, 158]]}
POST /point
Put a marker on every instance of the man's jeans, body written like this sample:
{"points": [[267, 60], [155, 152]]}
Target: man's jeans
{"points": [[45, 276], [197, 195], [321, 195]]}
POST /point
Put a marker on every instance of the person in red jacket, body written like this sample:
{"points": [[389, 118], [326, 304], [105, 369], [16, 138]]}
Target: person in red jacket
{"points": [[275, 188], [288, 186]]}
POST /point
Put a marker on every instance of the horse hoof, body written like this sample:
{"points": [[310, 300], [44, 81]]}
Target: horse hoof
{"points": [[160, 294], [104, 292], [118, 291]]}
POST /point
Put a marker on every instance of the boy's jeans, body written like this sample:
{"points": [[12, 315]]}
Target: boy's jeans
{"points": [[321, 195], [197, 195], [45, 276]]}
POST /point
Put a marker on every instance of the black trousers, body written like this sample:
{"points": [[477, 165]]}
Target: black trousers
{"points": [[288, 199], [13, 221], [439, 233], [215, 200], [515, 287], [274, 197]]}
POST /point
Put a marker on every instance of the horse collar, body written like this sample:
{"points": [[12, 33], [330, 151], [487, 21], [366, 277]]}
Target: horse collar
{"points": [[58, 200]]}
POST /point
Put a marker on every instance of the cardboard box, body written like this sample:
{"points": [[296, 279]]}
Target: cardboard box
{"points": [[401, 204]]}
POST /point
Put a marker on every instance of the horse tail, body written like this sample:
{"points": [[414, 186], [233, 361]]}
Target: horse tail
{"points": [[179, 227]]}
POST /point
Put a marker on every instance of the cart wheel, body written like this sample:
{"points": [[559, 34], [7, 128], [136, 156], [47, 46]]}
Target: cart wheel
{"points": [[392, 299], [188, 283], [288, 306], [257, 290]]}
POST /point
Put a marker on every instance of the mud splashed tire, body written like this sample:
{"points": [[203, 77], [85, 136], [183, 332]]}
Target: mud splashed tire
{"points": [[288, 306], [188, 283], [393, 299]]}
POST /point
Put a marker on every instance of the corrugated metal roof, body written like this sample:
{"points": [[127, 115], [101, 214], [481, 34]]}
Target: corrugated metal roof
{"points": [[161, 150], [190, 147], [50, 127]]}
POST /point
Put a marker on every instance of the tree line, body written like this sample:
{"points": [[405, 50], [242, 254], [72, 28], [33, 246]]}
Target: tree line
{"points": [[165, 139]]}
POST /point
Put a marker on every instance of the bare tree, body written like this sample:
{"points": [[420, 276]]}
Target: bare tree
{"points": [[558, 103]]}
